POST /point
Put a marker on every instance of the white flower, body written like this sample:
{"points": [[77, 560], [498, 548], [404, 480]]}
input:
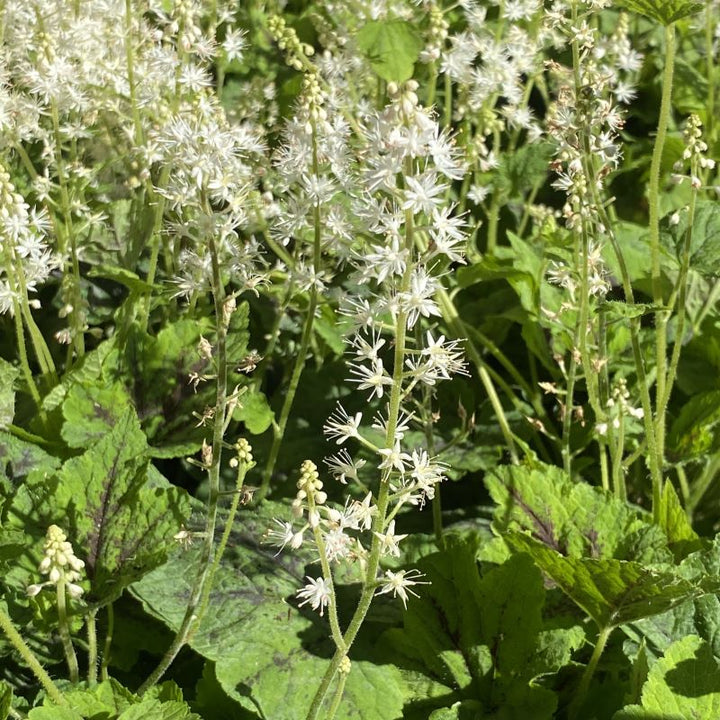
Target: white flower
{"points": [[418, 301], [234, 44], [341, 426], [399, 583], [283, 536], [373, 377], [337, 544], [423, 193], [317, 592], [393, 458], [364, 512], [389, 541], [367, 350], [343, 467]]}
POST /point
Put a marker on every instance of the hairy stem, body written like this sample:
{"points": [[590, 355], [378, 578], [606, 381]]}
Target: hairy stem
{"points": [[581, 692], [29, 657], [91, 624], [301, 357], [64, 627], [200, 587], [661, 315]]}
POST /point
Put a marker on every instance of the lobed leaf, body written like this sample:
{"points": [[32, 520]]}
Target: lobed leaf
{"points": [[269, 656], [665, 12], [392, 47], [575, 519], [611, 592], [684, 683]]}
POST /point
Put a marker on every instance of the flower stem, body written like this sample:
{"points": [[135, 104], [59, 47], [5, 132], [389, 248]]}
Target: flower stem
{"points": [[337, 697], [108, 642], [64, 626], [383, 495], [241, 473], [29, 657], [661, 315], [192, 614], [301, 357], [92, 647], [579, 698]]}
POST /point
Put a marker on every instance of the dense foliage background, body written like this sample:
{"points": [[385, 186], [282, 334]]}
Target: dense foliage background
{"points": [[359, 359]]}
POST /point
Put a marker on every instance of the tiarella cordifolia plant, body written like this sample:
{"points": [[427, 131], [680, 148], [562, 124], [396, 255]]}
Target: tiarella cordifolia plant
{"points": [[409, 241], [457, 257]]}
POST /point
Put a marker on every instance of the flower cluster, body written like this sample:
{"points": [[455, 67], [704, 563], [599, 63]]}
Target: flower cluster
{"points": [[396, 193], [28, 260], [694, 154], [60, 565], [619, 408]]}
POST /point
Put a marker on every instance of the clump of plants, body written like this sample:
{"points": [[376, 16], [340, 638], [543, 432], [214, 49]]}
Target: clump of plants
{"points": [[359, 360]]}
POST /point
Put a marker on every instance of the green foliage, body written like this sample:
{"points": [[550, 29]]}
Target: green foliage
{"points": [[265, 649], [684, 683], [254, 411], [109, 501], [91, 411], [705, 239], [111, 701], [391, 46], [665, 12], [694, 431], [675, 524], [488, 643], [8, 376], [160, 202], [700, 616], [6, 696], [612, 592], [572, 518]]}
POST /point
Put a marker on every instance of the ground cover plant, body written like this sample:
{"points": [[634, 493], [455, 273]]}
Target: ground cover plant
{"points": [[359, 359]]}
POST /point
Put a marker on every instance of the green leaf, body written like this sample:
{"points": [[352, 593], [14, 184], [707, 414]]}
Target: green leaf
{"points": [[674, 521], [442, 613], [487, 639], [528, 165], [665, 12], [329, 326], [254, 411], [109, 700], [6, 696], [392, 47], [123, 276], [513, 596], [54, 713], [156, 710], [8, 375], [611, 592], [123, 522], [91, 410], [573, 518], [694, 431], [465, 710], [616, 310], [633, 240], [700, 616], [705, 243], [684, 683], [266, 651], [690, 89], [18, 458]]}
